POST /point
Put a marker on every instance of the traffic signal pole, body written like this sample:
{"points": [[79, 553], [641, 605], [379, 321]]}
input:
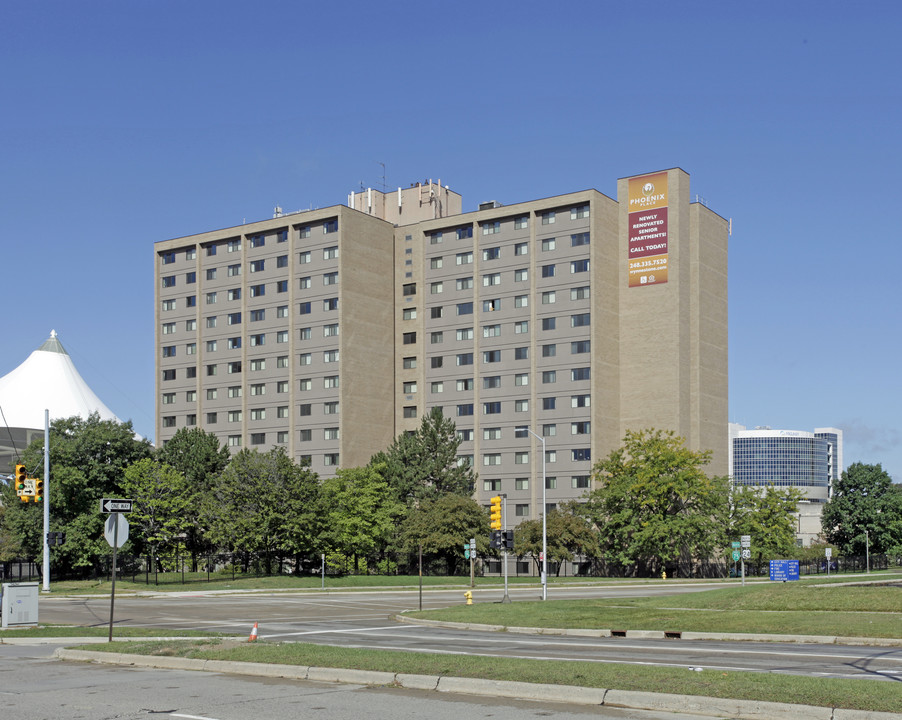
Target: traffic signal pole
{"points": [[506, 598], [46, 573]]}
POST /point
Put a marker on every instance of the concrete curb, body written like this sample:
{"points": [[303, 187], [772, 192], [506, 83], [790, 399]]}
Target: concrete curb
{"points": [[656, 634], [716, 707]]}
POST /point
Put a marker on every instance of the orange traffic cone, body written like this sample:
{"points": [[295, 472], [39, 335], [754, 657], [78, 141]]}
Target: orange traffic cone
{"points": [[253, 636]]}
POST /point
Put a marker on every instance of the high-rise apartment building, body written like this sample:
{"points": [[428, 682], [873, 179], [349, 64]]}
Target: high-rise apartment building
{"points": [[329, 332]]}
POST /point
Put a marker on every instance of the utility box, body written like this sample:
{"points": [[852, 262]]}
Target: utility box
{"points": [[19, 605]]}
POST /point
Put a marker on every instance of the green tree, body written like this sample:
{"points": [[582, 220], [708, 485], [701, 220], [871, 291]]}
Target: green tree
{"points": [[864, 499], [200, 458], [443, 525], [263, 504], [160, 513], [766, 515], [361, 512], [88, 458], [654, 506], [567, 534], [424, 464]]}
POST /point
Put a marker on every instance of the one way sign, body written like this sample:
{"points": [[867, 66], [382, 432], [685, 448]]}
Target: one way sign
{"points": [[110, 505]]}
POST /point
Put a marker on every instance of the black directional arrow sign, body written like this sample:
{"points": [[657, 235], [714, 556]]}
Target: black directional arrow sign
{"points": [[109, 505]]}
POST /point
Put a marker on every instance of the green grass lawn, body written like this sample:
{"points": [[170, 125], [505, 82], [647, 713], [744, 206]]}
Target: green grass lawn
{"points": [[780, 608], [851, 694]]}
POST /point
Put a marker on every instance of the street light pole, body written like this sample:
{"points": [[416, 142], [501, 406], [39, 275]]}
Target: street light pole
{"points": [[867, 551], [544, 519]]}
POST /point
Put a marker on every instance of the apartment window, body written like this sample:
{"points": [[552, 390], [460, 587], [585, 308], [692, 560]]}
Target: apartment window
{"points": [[548, 297], [282, 236], [305, 333], [465, 359], [169, 305], [464, 258], [282, 286], [330, 408], [331, 382], [491, 459], [435, 238], [580, 428], [435, 288], [234, 343], [282, 386], [331, 226], [521, 353], [258, 315], [580, 346], [548, 244], [234, 416], [191, 349], [233, 245], [521, 301], [521, 484], [549, 350], [465, 384], [330, 330], [258, 389], [579, 266], [579, 212], [304, 308], [169, 281], [168, 398], [579, 320], [331, 433], [491, 485], [465, 283], [258, 290], [282, 412], [551, 456], [465, 333], [191, 301], [491, 305], [549, 376], [521, 458], [435, 362], [282, 261], [521, 509], [211, 345], [168, 328], [435, 263], [521, 406], [330, 459], [409, 289], [258, 365], [491, 227], [190, 278], [465, 435], [234, 318], [330, 304], [493, 433], [330, 253], [578, 401], [578, 239], [492, 253], [582, 373], [436, 337], [168, 351], [169, 421], [410, 363], [464, 232], [549, 430], [580, 454], [211, 250], [521, 275], [491, 356], [191, 419], [548, 271], [330, 356], [548, 218], [167, 258], [409, 314], [234, 294], [410, 411], [548, 323], [465, 308], [234, 367], [410, 387], [304, 232], [258, 241], [521, 379], [579, 293], [212, 417], [233, 270], [282, 437], [304, 257], [282, 361], [437, 387], [234, 441], [521, 326], [465, 409], [258, 414], [491, 382], [521, 223], [491, 279], [548, 403], [211, 273], [282, 311], [491, 408], [305, 410], [491, 330]]}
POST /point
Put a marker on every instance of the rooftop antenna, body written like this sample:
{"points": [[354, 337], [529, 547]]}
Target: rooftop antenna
{"points": [[383, 174]]}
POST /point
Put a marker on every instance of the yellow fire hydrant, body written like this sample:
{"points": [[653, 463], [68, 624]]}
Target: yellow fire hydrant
{"points": [[663, 574], [469, 596]]}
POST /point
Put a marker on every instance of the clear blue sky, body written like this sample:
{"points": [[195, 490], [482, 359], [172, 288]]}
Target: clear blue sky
{"points": [[125, 123]]}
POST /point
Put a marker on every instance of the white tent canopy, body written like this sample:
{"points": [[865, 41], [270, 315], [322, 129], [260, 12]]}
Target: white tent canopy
{"points": [[47, 380]]}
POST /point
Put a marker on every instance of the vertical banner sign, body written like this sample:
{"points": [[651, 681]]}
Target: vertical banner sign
{"points": [[648, 230]]}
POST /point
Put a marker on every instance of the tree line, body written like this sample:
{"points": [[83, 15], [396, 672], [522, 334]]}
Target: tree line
{"points": [[651, 508]]}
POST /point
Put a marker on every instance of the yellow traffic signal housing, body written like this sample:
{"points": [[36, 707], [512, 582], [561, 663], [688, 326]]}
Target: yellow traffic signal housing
{"points": [[38, 489], [21, 475], [496, 512]]}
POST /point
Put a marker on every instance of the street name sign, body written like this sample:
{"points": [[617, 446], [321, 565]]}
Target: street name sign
{"points": [[111, 505]]}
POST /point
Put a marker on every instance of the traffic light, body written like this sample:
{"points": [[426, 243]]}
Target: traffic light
{"points": [[21, 474], [38, 489], [508, 539], [495, 540], [496, 512]]}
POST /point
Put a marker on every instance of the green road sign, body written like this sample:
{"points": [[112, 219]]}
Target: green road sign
{"points": [[735, 544], [735, 555]]}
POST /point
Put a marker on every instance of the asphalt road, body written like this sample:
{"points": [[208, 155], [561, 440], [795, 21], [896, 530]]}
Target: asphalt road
{"points": [[362, 619], [35, 687]]}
